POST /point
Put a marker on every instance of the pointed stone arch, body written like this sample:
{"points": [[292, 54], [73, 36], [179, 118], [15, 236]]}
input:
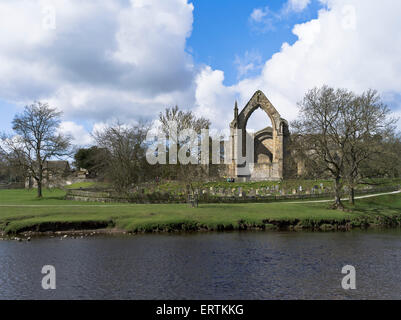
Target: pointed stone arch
{"points": [[279, 134], [258, 100]]}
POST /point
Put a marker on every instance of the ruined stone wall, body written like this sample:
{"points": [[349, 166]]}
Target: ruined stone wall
{"points": [[270, 150]]}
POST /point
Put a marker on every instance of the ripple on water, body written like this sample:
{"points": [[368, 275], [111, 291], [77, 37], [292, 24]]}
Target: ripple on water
{"points": [[237, 265]]}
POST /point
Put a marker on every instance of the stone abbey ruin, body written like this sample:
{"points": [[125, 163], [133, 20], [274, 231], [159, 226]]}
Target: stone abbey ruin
{"points": [[265, 158]]}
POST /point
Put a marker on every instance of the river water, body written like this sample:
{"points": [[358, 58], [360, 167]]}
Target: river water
{"points": [[237, 265]]}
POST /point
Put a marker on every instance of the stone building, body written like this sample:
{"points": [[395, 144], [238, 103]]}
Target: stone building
{"points": [[54, 174], [265, 158]]}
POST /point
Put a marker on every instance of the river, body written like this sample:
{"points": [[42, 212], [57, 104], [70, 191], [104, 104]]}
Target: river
{"points": [[230, 265]]}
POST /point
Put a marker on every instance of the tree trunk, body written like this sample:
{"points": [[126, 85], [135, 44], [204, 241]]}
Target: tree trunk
{"points": [[39, 189], [40, 180], [337, 193], [351, 195]]}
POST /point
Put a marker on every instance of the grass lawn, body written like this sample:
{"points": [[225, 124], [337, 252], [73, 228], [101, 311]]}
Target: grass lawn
{"points": [[20, 210]]}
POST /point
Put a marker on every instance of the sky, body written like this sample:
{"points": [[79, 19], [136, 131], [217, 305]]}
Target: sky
{"points": [[127, 60]]}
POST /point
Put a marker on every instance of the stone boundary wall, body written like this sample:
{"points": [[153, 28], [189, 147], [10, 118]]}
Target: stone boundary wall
{"points": [[203, 197], [13, 185]]}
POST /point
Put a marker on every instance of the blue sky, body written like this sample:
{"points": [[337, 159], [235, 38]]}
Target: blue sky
{"points": [[127, 60], [222, 35], [7, 114], [222, 30]]}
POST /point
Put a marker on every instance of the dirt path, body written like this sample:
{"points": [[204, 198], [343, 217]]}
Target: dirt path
{"points": [[345, 199]]}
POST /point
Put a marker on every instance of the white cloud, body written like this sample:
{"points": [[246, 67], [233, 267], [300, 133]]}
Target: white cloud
{"points": [[110, 58], [344, 47], [213, 99], [397, 115], [297, 5], [249, 63], [77, 132], [263, 19], [258, 14], [122, 60]]}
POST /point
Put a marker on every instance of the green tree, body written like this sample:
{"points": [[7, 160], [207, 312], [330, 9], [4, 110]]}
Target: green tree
{"points": [[91, 159]]}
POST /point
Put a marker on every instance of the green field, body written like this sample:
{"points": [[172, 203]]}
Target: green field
{"points": [[21, 211]]}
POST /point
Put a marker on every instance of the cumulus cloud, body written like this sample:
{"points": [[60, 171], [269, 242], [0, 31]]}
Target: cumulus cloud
{"points": [[102, 59], [121, 60], [78, 134], [343, 47], [213, 99]]}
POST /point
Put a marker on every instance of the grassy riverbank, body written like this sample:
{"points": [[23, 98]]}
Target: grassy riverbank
{"points": [[21, 212]]}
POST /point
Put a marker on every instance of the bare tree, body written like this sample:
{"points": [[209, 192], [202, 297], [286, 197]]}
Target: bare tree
{"points": [[343, 134], [368, 127], [385, 163], [125, 160], [37, 140], [322, 134], [183, 120], [4, 168], [174, 119], [11, 168]]}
